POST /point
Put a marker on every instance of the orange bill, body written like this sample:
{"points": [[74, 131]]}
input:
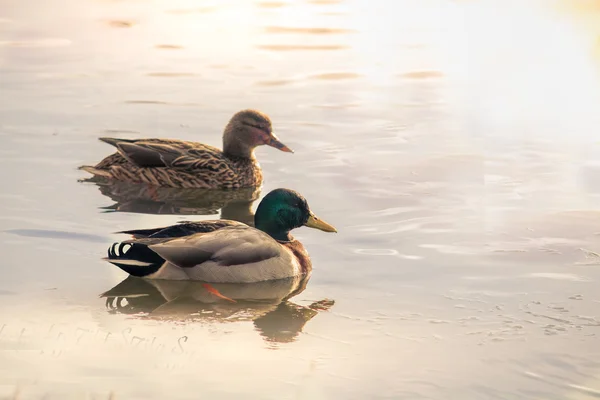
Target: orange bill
{"points": [[273, 141]]}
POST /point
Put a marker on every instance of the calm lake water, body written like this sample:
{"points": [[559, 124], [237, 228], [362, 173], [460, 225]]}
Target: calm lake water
{"points": [[454, 144]]}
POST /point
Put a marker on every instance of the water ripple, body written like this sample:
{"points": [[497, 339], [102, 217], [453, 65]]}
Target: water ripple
{"points": [[422, 75], [161, 103], [119, 131], [271, 4], [558, 276], [335, 76], [45, 233], [171, 74], [120, 24], [168, 46], [276, 82], [376, 252], [335, 106], [451, 249], [50, 42], [310, 31], [305, 47], [199, 10]]}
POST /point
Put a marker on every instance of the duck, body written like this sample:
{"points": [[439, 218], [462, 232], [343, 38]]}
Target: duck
{"points": [[183, 164], [224, 251]]}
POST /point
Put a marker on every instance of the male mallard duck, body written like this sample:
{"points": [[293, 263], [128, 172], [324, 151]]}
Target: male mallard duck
{"points": [[175, 163], [224, 251]]}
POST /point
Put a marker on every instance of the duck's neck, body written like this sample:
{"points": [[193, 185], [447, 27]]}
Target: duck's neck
{"points": [[234, 147], [274, 231], [237, 149]]}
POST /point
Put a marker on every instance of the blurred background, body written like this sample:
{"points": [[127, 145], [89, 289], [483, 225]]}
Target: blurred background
{"points": [[454, 144]]}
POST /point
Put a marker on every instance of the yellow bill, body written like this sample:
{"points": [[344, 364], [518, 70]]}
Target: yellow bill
{"points": [[315, 222]]}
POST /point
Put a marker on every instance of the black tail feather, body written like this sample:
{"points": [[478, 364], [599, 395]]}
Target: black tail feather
{"points": [[137, 260], [183, 228], [115, 141], [142, 233]]}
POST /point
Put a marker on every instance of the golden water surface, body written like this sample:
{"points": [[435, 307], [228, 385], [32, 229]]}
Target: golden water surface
{"points": [[454, 144]]}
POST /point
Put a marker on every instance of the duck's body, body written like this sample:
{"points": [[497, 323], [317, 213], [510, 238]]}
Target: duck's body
{"points": [[224, 251], [177, 163]]}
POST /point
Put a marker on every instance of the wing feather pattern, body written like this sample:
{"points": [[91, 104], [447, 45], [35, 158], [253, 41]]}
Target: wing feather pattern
{"points": [[228, 247]]}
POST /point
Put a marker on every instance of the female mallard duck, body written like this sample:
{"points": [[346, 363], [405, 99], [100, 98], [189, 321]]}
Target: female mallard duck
{"points": [[175, 163], [224, 251]]}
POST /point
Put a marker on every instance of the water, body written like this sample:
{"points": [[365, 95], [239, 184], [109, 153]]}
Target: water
{"points": [[453, 144]]}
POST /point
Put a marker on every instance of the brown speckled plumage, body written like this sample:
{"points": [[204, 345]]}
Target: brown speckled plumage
{"points": [[202, 167], [177, 163]]}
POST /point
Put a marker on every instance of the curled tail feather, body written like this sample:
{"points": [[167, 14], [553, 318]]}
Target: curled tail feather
{"points": [[133, 258]]}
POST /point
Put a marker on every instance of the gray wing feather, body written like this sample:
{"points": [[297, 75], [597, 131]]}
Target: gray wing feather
{"points": [[228, 246], [183, 256], [149, 154]]}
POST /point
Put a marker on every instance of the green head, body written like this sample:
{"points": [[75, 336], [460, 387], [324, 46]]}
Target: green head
{"points": [[283, 210]]}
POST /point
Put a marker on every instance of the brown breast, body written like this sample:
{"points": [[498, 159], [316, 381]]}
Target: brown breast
{"points": [[249, 172], [300, 253]]}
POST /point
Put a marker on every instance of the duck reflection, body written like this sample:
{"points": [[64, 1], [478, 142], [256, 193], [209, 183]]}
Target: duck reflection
{"points": [[266, 303], [142, 198]]}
